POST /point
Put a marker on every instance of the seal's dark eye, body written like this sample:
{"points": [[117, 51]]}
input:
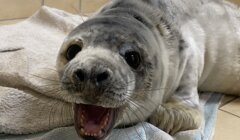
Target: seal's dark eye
{"points": [[133, 59], [73, 50]]}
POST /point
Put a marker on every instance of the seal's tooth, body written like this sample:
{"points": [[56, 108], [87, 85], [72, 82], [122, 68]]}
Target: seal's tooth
{"points": [[82, 131], [81, 119], [100, 133], [105, 122]]}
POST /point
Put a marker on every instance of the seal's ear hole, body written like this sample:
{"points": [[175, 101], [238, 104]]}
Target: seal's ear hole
{"points": [[133, 59], [138, 18], [73, 50]]}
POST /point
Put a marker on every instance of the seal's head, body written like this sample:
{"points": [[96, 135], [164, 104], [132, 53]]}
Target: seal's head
{"points": [[110, 68]]}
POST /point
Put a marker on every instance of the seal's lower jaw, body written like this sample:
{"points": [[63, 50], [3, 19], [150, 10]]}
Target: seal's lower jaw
{"points": [[93, 122]]}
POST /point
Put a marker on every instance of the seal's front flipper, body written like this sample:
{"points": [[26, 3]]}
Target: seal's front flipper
{"points": [[175, 116]]}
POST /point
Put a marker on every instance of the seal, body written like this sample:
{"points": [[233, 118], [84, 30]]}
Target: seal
{"points": [[146, 60]]}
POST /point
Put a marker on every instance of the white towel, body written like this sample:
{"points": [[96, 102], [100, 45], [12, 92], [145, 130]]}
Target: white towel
{"points": [[28, 53]]}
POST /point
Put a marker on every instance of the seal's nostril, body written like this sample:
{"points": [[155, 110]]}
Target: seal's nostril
{"points": [[80, 75], [102, 76]]}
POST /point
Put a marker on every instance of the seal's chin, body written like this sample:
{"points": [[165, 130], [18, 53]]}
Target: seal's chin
{"points": [[93, 122]]}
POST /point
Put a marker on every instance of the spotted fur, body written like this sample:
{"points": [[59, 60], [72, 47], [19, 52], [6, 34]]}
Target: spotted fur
{"points": [[185, 46]]}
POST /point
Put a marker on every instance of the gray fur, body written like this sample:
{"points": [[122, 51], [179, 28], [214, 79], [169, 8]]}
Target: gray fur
{"points": [[172, 37]]}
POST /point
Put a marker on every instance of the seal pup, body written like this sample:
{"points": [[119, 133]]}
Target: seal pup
{"points": [[146, 60]]}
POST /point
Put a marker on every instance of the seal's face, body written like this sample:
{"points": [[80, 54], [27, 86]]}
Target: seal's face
{"points": [[107, 74]]}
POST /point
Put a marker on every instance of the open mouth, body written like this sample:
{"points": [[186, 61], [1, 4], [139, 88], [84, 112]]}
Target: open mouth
{"points": [[93, 122]]}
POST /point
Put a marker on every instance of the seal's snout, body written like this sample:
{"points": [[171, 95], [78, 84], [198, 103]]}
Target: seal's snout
{"points": [[95, 76]]}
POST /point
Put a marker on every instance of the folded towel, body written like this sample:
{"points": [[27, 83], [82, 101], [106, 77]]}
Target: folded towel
{"points": [[29, 85]]}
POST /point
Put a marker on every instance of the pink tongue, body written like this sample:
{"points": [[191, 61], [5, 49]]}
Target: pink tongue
{"points": [[91, 127]]}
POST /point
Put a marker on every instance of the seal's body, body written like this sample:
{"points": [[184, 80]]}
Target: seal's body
{"points": [[144, 60]]}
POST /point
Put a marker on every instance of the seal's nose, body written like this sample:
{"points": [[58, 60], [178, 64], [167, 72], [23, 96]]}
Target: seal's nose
{"points": [[102, 76], [96, 76], [80, 75]]}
